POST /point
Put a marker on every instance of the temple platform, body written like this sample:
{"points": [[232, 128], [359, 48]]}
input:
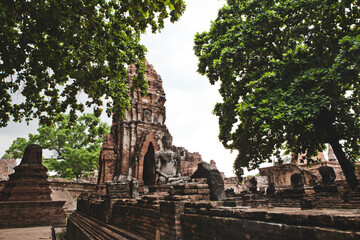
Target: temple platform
{"points": [[30, 214]]}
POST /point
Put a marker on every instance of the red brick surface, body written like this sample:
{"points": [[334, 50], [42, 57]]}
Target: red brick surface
{"points": [[26, 214], [124, 149]]}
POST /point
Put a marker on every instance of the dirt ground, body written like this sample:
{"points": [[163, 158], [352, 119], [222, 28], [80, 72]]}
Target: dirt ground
{"points": [[31, 233]]}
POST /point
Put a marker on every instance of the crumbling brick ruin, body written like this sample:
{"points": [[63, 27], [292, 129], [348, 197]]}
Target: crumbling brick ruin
{"points": [[184, 210], [128, 151], [189, 161], [280, 175], [25, 198]]}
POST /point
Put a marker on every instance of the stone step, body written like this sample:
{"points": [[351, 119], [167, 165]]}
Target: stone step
{"points": [[92, 230], [98, 230]]}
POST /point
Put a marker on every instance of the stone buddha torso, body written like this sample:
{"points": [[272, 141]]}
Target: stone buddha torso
{"points": [[167, 163]]}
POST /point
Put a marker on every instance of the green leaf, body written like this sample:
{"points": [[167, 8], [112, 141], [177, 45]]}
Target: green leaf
{"points": [[75, 145], [289, 76]]}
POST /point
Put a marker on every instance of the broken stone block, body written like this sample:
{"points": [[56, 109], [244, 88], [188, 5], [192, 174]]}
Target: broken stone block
{"points": [[327, 182], [214, 180]]}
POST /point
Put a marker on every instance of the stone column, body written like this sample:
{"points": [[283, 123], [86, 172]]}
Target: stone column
{"points": [[125, 149]]}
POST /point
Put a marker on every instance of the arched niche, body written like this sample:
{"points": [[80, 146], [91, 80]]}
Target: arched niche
{"points": [[149, 166]]}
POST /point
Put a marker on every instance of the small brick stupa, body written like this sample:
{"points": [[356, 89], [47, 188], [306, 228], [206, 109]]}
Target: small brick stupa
{"points": [[25, 200]]}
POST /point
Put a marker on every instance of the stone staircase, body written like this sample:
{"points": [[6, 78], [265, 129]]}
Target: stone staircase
{"points": [[88, 228]]}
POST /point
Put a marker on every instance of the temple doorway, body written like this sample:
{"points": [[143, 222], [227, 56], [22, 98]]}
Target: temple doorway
{"points": [[149, 166]]}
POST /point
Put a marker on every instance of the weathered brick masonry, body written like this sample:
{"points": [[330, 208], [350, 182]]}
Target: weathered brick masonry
{"points": [[184, 211], [128, 151], [25, 198], [206, 221], [152, 218], [28, 214]]}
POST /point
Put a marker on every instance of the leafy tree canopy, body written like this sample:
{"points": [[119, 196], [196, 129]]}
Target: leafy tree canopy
{"points": [[76, 144], [289, 74], [51, 51]]}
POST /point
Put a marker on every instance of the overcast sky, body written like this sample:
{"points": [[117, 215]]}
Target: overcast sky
{"points": [[190, 97]]}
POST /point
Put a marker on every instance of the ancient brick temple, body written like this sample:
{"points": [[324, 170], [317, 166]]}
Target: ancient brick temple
{"points": [[280, 175], [186, 210], [25, 199], [29, 182], [128, 151]]}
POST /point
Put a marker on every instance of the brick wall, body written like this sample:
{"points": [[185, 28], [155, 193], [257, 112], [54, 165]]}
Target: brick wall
{"points": [[140, 217], [200, 222], [345, 200], [148, 218], [66, 191], [199, 227], [170, 220], [26, 214], [69, 192]]}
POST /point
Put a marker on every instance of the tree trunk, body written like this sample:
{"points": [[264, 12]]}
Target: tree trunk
{"points": [[346, 166], [334, 140]]}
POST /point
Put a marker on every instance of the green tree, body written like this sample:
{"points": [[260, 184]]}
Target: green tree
{"points": [[50, 51], [289, 74], [17, 148], [76, 144]]}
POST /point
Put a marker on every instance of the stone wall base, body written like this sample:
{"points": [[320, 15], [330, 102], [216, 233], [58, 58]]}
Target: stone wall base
{"points": [[213, 221], [176, 220], [198, 227], [29, 214]]}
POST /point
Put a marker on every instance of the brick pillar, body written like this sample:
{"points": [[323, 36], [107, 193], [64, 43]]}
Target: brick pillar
{"points": [[170, 220], [125, 150], [133, 138]]}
